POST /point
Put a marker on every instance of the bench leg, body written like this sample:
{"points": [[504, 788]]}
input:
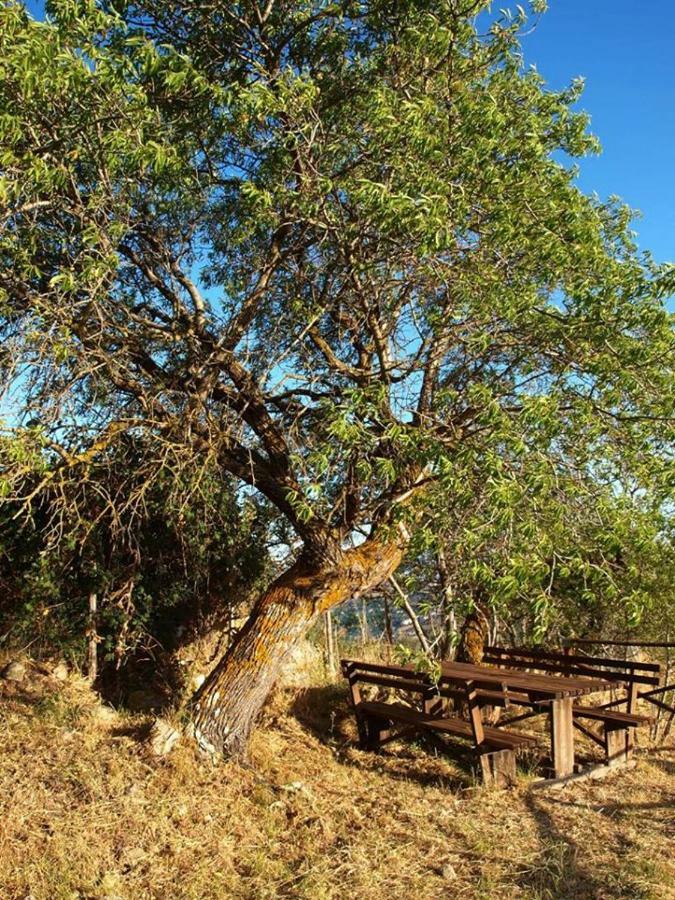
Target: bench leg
{"points": [[499, 768], [562, 737], [616, 745], [376, 731], [362, 728]]}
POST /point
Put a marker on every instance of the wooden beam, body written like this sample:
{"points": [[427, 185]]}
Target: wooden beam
{"points": [[562, 736]]}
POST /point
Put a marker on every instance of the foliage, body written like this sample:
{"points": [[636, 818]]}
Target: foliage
{"points": [[190, 560], [568, 559], [330, 250]]}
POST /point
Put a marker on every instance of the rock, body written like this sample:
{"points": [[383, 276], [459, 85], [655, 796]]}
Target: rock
{"points": [[163, 737], [60, 671], [14, 671], [448, 872], [144, 700], [104, 713]]}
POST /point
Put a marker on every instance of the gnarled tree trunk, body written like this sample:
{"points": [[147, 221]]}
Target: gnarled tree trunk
{"points": [[225, 707], [473, 634]]}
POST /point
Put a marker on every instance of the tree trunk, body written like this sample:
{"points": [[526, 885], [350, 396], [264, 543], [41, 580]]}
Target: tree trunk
{"points": [[473, 634], [226, 706]]}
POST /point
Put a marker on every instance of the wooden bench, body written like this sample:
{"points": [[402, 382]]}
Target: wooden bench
{"points": [[375, 718], [616, 739]]}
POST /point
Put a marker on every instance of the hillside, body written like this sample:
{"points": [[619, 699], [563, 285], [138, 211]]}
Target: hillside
{"points": [[88, 813]]}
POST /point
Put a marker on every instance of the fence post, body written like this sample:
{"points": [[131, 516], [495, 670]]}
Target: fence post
{"points": [[92, 634], [329, 639]]}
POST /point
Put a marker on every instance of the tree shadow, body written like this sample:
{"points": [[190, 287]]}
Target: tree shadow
{"points": [[557, 874]]}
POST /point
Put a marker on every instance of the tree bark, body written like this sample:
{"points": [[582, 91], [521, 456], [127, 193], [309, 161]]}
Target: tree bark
{"points": [[225, 707]]}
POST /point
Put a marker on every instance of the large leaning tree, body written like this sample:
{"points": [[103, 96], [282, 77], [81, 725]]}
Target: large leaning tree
{"points": [[333, 249]]}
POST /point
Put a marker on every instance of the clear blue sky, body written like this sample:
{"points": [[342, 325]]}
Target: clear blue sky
{"points": [[625, 49]]}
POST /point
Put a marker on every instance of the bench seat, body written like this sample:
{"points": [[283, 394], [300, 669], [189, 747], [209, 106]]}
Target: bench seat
{"points": [[493, 737], [610, 716]]}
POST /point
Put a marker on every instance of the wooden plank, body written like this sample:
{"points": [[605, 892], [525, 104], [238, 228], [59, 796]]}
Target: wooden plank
{"points": [[578, 669], [475, 718], [645, 695], [592, 774], [591, 735], [603, 715], [602, 643], [660, 704], [451, 725], [562, 736], [354, 665], [518, 680], [398, 684], [572, 658]]}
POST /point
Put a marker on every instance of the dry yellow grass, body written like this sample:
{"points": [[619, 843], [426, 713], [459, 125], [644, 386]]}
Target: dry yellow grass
{"points": [[86, 813]]}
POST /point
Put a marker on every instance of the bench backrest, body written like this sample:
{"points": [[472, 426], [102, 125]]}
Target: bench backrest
{"points": [[626, 671], [407, 678]]}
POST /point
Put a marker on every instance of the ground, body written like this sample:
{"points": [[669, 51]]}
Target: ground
{"points": [[87, 812]]}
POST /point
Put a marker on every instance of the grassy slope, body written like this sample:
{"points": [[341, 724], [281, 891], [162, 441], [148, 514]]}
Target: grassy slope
{"points": [[87, 814]]}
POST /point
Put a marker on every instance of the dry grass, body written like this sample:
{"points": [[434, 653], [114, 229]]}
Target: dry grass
{"points": [[87, 814]]}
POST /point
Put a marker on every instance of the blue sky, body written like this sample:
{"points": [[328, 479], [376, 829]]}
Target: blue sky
{"points": [[626, 50]]}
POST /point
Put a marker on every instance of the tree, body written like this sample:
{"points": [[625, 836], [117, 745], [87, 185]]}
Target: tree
{"points": [[168, 570], [326, 249], [540, 553]]}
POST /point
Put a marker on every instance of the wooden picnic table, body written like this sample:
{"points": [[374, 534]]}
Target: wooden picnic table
{"points": [[552, 693]]}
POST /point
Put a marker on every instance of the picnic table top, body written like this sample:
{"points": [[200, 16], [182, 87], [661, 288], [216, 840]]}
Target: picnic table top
{"points": [[535, 686], [516, 679]]}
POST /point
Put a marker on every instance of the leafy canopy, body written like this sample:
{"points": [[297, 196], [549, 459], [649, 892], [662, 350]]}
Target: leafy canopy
{"points": [[334, 249]]}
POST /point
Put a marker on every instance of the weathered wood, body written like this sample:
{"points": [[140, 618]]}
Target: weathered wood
{"points": [[572, 658], [480, 684], [616, 746], [595, 773], [591, 735], [562, 736], [396, 712], [616, 675], [603, 643], [329, 640], [498, 768], [547, 685], [473, 709], [612, 717]]}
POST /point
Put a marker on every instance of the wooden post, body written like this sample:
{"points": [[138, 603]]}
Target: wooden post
{"points": [[631, 697], [92, 635], [363, 621], [562, 736], [616, 745], [329, 643], [475, 718], [499, 768]]}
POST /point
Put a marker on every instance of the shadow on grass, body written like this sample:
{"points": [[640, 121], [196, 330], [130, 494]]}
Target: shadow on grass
{"points": [[557, 873]]}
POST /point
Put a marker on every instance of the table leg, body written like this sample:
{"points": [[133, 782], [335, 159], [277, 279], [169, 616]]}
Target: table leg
{"points": [[562, 737]]}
